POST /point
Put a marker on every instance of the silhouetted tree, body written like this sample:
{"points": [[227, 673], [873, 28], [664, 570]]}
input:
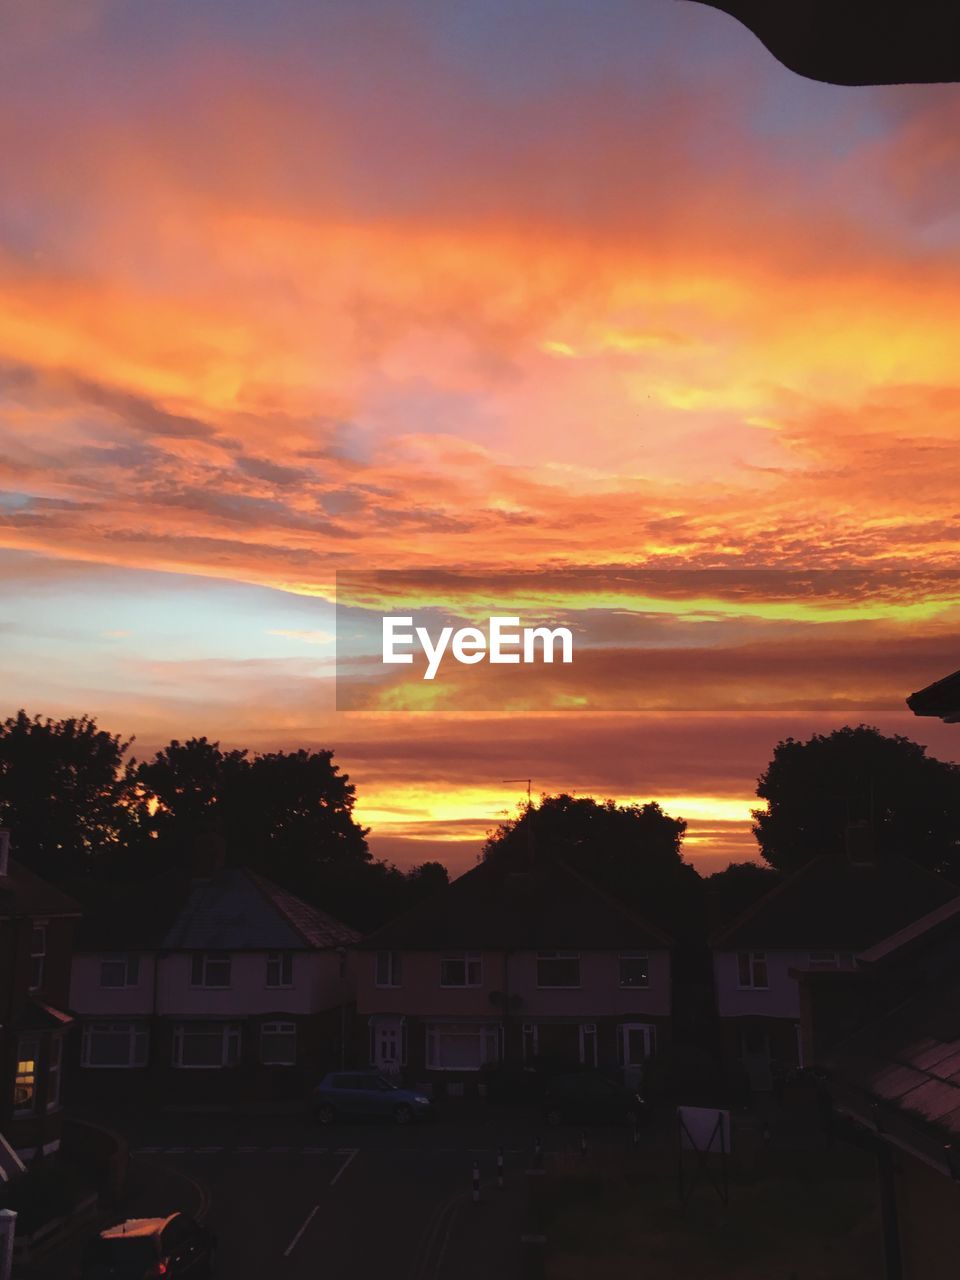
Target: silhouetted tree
{"points": [[633, 852], [68, 795], [737, 887], [815, 789]]}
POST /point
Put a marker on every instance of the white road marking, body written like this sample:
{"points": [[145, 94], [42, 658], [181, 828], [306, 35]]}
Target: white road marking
{"points": [[296, 1239], [176, 1151], [314, 1151], [351, 1153], [247, 1150], [208, 1151]]}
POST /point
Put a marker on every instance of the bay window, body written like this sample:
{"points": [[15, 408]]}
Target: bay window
{"points": [[114, 1044], [278, 1044], [462, 1046], [206, 1044]]}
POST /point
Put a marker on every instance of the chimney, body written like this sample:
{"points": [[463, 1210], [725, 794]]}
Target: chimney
{"points": [[860, 843], [4, 852]]}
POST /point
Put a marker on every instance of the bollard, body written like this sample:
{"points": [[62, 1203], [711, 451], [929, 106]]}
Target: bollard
{"points": [[636, 1134], [476, 1182], [765, 1131], [583, 1142], [500, 1167], [537, 1153]]}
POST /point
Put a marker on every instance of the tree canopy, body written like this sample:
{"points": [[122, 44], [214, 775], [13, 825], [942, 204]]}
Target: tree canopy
{"points": [[632, 852], [85, 815], [815, 789]]}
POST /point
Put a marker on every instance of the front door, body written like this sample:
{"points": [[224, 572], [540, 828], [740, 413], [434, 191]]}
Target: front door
{"points": [[387, 1047], [755, 1056], [637, 1043]]}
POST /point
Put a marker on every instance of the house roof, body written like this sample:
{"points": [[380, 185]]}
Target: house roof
{"points": [[22, 893], [492, 907], [941, 699], [235, 910], [914, 934], [909, 1060], [835, 903]]}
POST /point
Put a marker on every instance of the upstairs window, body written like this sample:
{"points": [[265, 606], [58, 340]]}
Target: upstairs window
{"points": [[558, 969], [634, 971], [210, 969], [463, 969], [280, 969], [38, 955], [752, 970], [120, 971], [389, 969]]}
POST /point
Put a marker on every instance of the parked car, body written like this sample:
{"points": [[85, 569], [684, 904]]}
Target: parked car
{"points": [[590, 1098], [342, 1095], [142, 1248]]}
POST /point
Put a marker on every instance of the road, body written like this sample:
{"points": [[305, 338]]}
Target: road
{"points": [[289, 1200]]}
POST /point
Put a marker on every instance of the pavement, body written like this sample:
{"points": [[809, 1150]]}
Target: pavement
{"points": [[289, 1200]]}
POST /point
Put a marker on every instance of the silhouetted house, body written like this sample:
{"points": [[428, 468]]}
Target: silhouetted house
{"points": [[886, 1039], [940, 699], [513, 967], [37, 923], [817, 919], [240, 988]]}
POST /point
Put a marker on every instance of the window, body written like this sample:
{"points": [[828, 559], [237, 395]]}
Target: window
{"points": [[464, 969], [279, 969], [752, 969], [278, 1044], [120, 971], [634, 971], [25, 1083], [38, 955], [453, 1046], [114, 1044], [53, 1072], [389, 969], [206, 1044], [558, 969], [210, 969]]}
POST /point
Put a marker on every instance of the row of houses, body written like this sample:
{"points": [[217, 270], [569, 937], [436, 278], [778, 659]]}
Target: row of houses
{"points": [[232, 986]]}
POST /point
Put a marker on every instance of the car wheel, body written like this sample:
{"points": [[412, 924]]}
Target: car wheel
{"points": [[554, 1116], [403, 1115], [325, 1114]]}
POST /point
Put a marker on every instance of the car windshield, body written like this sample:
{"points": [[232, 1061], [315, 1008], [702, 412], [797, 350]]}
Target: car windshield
{"points": [[381, 1082], [122, 1251]]}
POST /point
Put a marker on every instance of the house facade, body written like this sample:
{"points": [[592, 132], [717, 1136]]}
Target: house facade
{"points": [[815, 921], [37, 924], [514, 968], [238, 987]]}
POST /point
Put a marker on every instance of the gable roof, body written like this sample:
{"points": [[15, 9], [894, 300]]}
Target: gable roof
{"points": [[22, 893], [835, 903], [492, 907], [235, 910]]}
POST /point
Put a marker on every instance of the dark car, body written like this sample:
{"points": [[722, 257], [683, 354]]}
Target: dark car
{"points": [[587, 1098], [142, 1248], [345, 1095]]}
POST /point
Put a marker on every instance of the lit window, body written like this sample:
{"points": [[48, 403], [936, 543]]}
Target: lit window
{"points": [[389, 969], [25, 1083], [280, 969], [206, 1044], [278, 1044], [210, 969], [463, 969], [38, 955], [558, 969], [120, 971], [752, 969], [634, 971], [114, 1044]]}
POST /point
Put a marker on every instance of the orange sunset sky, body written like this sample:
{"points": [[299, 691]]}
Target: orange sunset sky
{"points": [[510, 286]]}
